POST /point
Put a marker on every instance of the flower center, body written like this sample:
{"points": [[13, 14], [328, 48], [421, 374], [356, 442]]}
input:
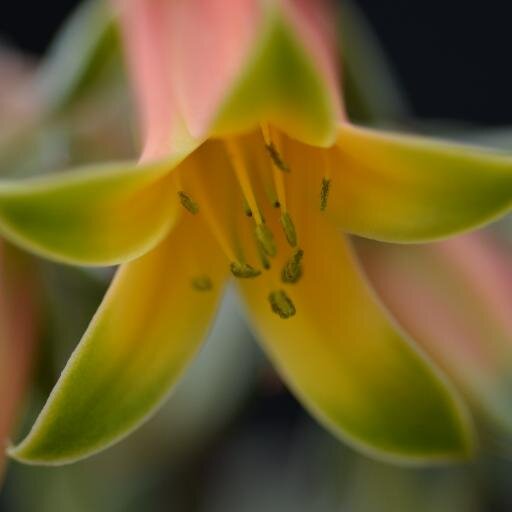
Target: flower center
{"points": [[241, 187]]}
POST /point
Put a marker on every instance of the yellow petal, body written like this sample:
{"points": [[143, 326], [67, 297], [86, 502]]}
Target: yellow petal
{"points": [[455, 298], [148, 328], [346, 359], [96, 215], [399, 188]]}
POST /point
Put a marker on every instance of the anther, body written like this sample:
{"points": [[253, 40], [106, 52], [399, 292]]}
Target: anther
{"points": [[276, 158], [265, 262], [202, 283], [187, 203], [266, 240], [324, 193], [281, 304], [243, 270], [289, 229], [292, 271]]}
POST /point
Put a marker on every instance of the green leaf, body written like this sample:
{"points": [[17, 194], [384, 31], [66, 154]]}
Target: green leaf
{"points": [[371, 90]]}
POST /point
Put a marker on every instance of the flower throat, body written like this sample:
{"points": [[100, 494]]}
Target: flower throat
{"points": [[261, 178]]}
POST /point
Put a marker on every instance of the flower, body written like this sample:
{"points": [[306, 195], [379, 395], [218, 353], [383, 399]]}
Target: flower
{"points": [[249, 170], [454, 297]]}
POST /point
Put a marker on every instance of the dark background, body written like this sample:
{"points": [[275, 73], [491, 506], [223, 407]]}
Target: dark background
{"points": [[453, 57]]}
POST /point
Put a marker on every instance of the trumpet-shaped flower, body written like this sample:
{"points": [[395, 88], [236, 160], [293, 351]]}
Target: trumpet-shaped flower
{"points": [[249, 171]]}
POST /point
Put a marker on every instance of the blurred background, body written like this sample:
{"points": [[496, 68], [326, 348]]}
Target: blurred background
{"points": [[452, 57], [232, 439]]}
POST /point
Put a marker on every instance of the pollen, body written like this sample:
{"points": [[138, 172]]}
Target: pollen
{"points": [[202, 283], [243, 270], [324, 193], [188, 203], [272, 151], [289, 229], [276, 157], [292, 271], [281, 304]]}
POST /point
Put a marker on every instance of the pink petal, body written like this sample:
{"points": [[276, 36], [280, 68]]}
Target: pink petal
{"points": [[455, 299], [185, 56], [18, 335], [211, 42], [146, 26]]}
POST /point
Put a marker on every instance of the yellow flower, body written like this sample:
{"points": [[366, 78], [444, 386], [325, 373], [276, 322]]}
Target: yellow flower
{"points": [[249, 171]]}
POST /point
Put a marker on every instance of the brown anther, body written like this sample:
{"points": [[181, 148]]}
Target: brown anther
{"points": [[187, 203], [292, 271], [324, 193], [243, 270], [281, 304], [276, 157]]}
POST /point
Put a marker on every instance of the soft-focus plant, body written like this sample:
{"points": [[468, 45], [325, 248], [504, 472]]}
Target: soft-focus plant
{"points": [[19, 287], [248, 157], [19, 313]]}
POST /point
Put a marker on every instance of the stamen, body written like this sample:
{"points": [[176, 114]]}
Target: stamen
{"points": [[187, 203], [281, 304], [266, 240], [276, 157], [289, 229], [324, 193], [239, 167], [243, 270], [286, 220], [292, 271], [202, 283], [265, 262], [214, 223], [272, 151], [276, 166]]}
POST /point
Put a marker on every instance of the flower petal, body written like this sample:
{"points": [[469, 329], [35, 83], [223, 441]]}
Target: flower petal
{"points": [[347, 362], [255, 61], [18, 334], [282, 83], [403, 189], [455, 298], [97, 215], [148, 328]]}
